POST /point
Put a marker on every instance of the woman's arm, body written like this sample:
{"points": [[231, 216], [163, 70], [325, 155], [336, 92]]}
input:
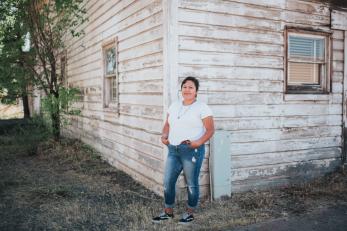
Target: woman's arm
{"points": [[209, 126], [165, 132]]}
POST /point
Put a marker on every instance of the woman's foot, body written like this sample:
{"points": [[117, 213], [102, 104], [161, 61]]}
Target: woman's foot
{"points": [[186, 218], [164, 216]]}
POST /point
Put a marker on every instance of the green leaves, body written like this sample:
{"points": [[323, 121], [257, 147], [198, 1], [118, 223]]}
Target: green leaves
{"points": [[61, 104], [50, 24]]}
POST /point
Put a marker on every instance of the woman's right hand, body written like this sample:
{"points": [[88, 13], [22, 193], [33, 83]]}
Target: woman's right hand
{"points": [[165, 140]]}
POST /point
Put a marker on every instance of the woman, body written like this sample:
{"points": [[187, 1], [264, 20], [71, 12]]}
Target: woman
{"points": [[188, 126]]}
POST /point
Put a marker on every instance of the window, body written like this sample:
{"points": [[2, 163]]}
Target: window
{"points": [[110, 64], [308, 61]]}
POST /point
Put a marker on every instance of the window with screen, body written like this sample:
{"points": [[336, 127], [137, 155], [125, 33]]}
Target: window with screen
{"points": [[308, 65]]}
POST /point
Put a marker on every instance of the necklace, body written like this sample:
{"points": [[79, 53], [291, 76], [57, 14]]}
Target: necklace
{"points": [[179, 115]]}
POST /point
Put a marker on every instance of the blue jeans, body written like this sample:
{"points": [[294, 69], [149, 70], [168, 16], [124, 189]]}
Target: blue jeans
{"points": [[182, 157]]}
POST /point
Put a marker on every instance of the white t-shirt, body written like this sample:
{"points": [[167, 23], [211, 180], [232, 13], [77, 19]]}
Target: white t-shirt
{"points": [[186, 121]]}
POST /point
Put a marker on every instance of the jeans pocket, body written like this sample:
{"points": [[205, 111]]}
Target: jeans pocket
{"points": [[196, 153]]}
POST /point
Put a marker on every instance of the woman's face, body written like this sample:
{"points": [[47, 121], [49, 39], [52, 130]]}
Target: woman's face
{"points": [[189, 90]]}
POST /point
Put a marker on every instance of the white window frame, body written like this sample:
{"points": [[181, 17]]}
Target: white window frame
{"points": [[110, 81], [324, 82]]}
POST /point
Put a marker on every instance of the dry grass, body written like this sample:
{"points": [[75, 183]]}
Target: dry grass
{"points": [[45, 185], [11, 111]]}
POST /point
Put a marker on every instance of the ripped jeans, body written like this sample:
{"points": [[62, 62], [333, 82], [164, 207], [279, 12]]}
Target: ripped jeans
{"points": [[182, 157]]}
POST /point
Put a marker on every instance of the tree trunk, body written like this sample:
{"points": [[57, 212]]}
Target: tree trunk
{"points": [[26, 110], [55, 116]]}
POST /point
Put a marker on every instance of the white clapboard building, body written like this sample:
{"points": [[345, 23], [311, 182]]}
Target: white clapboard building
{"points": [[272, 71]]}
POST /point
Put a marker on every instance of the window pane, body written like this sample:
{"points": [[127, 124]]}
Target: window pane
{"points": [[107, 93], [114, 89], [110, 61], [306, 48], [304, 73]]}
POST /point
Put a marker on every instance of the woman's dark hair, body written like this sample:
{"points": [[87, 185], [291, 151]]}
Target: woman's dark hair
{"points": [[193, 79]]}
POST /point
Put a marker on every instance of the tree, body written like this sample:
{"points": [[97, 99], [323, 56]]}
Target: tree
{"points": [[49, 23], [14, 79]]}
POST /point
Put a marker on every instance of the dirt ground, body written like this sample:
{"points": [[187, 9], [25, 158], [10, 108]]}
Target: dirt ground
{"points": [[332, 218], [46, 185]]}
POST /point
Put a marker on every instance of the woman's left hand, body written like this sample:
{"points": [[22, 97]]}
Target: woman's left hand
{"points": [[194, 144]]}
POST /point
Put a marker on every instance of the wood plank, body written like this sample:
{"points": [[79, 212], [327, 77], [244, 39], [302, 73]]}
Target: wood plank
{"points": [[255, 98], [94, 54], [151, 9], [295, 17], [127, 145], [267, 159], [131, 132], [91, 60], [306, 97], [227, 59], [336, 87], [101, 8], [338, 45], [230, 33], [149, 73], [142, 62], [154, 112], [337, 99], [152, 125], [332, 98], [298, 12], [154, 33], [222, 111], [337, 34], [252, 123], [118, 13], [141, 50], [298, 169], [308, 7], [278, 4], [80, 75], [338, 55], [284, 145], [233, 8], [235, 47], [222, 72], [337, 76], [296, 174], [211, 18], [242, 98], [338, 20], [146, 24], [337, 65], [110, 28], [286, 133], [141, 99], [155, 86], [235, 85], [101, 19]]}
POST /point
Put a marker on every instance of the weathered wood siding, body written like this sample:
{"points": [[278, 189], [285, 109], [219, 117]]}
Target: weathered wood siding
{"points": [[129, 140], [236, 49]]}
